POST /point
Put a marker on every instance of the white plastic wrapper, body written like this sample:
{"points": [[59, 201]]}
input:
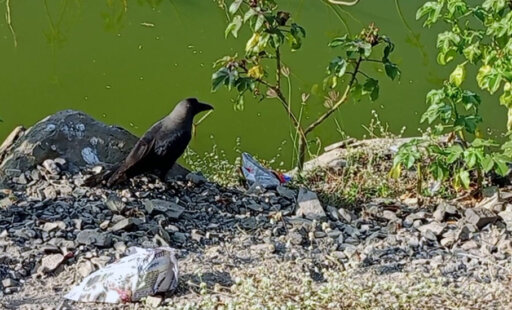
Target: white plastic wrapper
{"points": [[142, 273], [254, 172]]}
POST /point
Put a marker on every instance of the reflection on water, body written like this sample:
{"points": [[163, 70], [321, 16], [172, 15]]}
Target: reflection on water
{"points": [[128, 62]]}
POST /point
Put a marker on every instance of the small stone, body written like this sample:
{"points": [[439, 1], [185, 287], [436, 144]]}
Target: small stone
{"points": [[264, 248], [333, 213], [320, 234], [50, 262], [171, 209], [448, 240], [153, 301], [120, 247], [285, 192], [196, 178], [85, 268], [389, 215], [411, 218], [470, 245], [346, 215], [6, 202], [8, 282], [435, 227], [125, 224], [295, 238], [309, 205], [51, 166], [179, 237], [506, 216], [93, 237], [115, 204], [54, 225], [480, 217], [196, 235]]}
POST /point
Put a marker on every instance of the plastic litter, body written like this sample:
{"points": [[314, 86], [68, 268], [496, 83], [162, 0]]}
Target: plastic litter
{"points": [[142, 273], [254, 172]]}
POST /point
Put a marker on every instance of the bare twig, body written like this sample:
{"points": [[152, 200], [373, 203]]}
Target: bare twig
{"points": [[9, 22], [346, 3], [335, 106]]}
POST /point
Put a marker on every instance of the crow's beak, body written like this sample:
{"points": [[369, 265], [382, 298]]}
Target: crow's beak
{"points": [[204, 107]]}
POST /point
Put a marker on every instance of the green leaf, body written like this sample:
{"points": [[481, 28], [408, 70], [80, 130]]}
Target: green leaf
{"points": [[224, 76], [219, 78], [338, 41], [494, 5], [454, 153], [337, 66], [501, 164], [233, 8], [432, 10], [464, 178], [371, 86], [458, 75], [259, 22], [470, 99], [487, 163], [392, 70], [234, 27], [250, 13], [472, 52]]}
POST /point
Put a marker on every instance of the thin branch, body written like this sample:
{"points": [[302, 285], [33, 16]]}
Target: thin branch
{"points": [[366, 75], [9, 22], [374, 60], [338, 2], [342, 100]]}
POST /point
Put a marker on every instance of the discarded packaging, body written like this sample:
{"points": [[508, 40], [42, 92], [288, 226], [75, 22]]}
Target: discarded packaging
{"points": [[254, 172], [142, 273]]}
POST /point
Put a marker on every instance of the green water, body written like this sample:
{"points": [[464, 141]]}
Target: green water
{"points": [[103, 58]]}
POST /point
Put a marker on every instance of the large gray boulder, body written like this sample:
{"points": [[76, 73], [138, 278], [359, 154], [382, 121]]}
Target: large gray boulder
{"points": [[73, 135]]}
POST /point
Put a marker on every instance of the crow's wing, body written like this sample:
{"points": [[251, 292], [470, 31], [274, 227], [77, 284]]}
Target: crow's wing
{"points": [[173, 145], [141, 150]]}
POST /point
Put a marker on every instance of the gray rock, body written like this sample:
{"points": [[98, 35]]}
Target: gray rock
{"points": [[93, 142], [115, 204], [480, 217], [435, 227], [54, 225], [196, 178], [411, 218], [285, 192], [346, 215], [506, 216], [153, 301], [333, 213], [444, 210], [8, 282], [168, 208], [93, 237], [389, 215], [309, 205], [125, 224], [50, 262]]}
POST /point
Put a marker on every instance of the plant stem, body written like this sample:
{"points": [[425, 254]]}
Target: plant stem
{"points": [[342, 100], [9, 22]]}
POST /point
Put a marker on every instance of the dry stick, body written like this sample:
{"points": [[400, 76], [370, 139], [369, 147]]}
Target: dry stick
{"points": [[9, 23]]}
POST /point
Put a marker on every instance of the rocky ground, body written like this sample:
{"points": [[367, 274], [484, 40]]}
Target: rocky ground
{"points": [[252, 248]]}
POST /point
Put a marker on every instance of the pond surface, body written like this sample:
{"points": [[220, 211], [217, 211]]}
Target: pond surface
{"points": [[129, 65]]}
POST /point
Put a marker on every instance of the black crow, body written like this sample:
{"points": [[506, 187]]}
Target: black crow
{"points": [[162, 144]]}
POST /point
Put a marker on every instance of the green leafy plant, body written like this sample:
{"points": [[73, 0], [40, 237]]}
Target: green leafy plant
{"points": [[261, 71], [481, 36]]}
